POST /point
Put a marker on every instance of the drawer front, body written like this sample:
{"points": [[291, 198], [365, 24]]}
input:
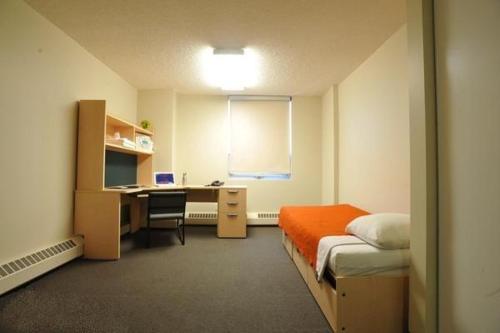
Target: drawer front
{"points": [[234, 206], [325, 296], [301, 263], [232, 196], [232, 225], [287, 243]]}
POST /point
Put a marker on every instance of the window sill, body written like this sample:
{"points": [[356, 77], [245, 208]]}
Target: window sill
{"points": [[237, 176]]}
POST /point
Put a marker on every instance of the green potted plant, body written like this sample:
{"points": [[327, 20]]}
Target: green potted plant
{"points": [[146, 124]]}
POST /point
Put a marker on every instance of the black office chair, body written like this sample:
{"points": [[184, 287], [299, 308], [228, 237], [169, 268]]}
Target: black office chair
{"points": [[167, 206]]}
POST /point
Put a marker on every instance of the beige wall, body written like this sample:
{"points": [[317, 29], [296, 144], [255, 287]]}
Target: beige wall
{"points": [[423, 264], [328, 146], [157, 106], [43, 75], [468, 80], [373, 131], [201, 151]]}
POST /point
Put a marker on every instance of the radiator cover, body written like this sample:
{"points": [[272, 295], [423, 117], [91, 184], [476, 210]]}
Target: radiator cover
{"points": [[253, 218], [23, 269]]}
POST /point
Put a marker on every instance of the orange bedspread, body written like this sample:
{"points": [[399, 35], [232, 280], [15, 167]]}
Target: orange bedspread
{"points": [[306, 225]]}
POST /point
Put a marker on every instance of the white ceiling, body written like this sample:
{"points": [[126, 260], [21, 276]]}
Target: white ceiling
{"points": [[304, 46]]}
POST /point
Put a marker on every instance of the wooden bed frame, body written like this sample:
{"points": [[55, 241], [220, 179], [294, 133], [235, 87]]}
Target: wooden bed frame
{"points": [[377, 304]]}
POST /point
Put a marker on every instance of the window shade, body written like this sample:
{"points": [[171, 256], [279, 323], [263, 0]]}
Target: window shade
{"points": [[260, 137]]}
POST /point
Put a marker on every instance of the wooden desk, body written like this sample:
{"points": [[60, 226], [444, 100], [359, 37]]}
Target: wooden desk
{"points": [[98, 213], [98, 209]]}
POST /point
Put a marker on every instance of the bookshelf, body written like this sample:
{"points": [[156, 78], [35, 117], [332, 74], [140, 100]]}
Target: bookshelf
{"points": [[95, 129]]}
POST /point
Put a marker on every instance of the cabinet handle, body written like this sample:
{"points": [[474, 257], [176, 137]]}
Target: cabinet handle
{"points": [[232, 191], [232, 203], [232, 214]]}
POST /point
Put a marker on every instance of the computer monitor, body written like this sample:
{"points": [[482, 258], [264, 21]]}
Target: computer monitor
{"points": [[164, 178]]}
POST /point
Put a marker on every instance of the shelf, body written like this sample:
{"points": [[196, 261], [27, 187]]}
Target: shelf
{"points": [[141, 130], [121, 149], [113, 121]]}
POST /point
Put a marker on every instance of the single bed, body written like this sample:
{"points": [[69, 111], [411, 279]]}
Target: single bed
{"points": [[361, 288]]}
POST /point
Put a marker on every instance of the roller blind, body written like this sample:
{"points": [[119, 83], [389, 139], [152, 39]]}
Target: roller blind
{"points": [[260, 136]]}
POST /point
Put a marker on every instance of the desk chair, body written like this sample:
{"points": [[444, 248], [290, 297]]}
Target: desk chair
{"points": [[167, 206]]}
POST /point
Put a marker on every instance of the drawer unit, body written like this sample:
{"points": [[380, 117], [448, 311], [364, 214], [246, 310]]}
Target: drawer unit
{"points": [[232, 213]]}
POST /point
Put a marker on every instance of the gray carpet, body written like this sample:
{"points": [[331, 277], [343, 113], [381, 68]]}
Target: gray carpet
{"points": [[208, 285]]}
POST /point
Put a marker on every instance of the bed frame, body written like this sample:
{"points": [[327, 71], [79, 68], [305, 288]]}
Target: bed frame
{"points": [[377, 304]]}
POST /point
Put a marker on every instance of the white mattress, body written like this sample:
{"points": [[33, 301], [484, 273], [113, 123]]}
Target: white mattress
{"points": [[365, 259]]}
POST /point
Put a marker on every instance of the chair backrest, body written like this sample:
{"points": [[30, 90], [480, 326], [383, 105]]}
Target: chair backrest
{"points": [[167, 202]]}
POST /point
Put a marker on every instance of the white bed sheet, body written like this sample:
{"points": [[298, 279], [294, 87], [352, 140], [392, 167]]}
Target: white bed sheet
{"points": [[350, 257], [365, 259]]}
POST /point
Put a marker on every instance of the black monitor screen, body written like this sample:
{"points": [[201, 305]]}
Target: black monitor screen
{"points": [[120, 169]]}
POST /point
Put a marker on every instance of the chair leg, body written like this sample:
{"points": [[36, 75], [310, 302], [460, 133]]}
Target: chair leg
{"points": [[148, 240], [181, 239], [183, 231], [177, 229]]}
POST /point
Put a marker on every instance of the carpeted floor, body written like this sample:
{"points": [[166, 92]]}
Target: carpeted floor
{"points": [[208, 285]]}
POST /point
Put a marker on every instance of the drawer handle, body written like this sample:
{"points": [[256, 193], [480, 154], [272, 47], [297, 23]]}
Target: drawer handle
{"points": [[232, 203], [232, 215], [232, 191]]}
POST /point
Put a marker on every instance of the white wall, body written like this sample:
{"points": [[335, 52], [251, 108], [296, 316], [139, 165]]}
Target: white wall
{"points": [[373, 131], [328, 146], [468, 81], [158, 106], [43, 75], [201, 151]]}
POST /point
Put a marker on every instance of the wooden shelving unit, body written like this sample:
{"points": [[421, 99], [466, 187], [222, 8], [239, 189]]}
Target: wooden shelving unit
{"points": [[95, 127]]}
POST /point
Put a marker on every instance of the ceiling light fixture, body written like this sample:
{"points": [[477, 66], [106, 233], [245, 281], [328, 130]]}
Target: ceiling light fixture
{"points": [[230, 69]]}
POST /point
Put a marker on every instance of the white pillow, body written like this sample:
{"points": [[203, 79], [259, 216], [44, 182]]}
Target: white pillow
{"points": [[387, 231]]}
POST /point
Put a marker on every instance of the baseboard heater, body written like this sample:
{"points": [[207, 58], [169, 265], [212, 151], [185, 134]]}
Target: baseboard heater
{"points": [[253, 218], [201, 218], [23, 269], [262, 218]]}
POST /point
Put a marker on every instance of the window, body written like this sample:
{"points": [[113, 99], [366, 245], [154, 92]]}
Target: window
{"points": [[260, 144]]}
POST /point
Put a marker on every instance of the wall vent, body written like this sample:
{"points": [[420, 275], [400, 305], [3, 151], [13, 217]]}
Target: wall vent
{"points": [[23, 269]]}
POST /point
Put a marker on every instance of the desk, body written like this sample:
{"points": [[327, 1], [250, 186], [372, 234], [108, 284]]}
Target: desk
{"points": [[98, 213]]}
